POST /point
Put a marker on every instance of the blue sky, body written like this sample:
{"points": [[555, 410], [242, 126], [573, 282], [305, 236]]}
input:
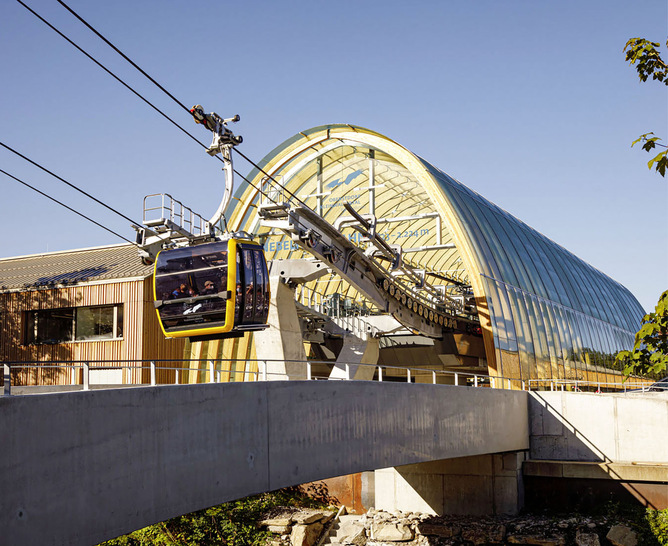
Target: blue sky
{"points": [[528, 103]]}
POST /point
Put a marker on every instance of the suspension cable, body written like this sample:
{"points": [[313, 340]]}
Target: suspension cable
{"points": [[112, 46], [66, 206], [68, 183], [171, 96], [119, 80]]}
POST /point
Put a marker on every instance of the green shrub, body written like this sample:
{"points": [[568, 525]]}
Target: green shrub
{"points": [[658, 523], [232, 524]]}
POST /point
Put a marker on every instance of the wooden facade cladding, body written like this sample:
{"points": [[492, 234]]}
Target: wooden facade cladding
{"points": [[142, 338]]}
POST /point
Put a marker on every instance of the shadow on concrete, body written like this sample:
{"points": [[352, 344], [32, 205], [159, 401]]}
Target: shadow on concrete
{"points": [[573, 469]]}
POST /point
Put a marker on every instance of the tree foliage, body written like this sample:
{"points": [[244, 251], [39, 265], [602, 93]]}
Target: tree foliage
{"points": [[647, 60], [650, 352]]}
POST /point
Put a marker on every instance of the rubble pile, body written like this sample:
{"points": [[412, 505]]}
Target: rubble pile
{"points": [[380, 528]]}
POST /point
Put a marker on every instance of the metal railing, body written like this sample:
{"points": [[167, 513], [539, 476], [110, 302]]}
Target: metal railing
{"points": [[197, 371], [633, 384], [78, 374], [163, 209]]}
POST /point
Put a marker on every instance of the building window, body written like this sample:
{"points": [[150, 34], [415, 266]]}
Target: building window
{"points": [[74, 324]]}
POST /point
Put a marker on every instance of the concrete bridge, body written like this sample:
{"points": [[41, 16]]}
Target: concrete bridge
{"points": [[86, 466]]}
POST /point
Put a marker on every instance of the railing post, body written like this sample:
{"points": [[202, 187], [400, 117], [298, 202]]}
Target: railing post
{"points": [[212, 377], [86, 376], [264, 369], [456, 379], [176, 376], [347, 372], [380, 373], [153, 374], [524, 385], [475, 380], [492, 383], [510, 385], [8, 379], [308, 371], [433, 377], [408, 375]]}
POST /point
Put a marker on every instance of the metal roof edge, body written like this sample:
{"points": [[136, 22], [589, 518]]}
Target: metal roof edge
{"points": [[72, 251]]}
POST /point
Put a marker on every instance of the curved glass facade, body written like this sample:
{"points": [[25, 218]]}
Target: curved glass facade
{"points": [[544, 313]]}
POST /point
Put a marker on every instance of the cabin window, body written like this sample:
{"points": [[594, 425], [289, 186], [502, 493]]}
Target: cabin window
{"points": [[48, 326]]}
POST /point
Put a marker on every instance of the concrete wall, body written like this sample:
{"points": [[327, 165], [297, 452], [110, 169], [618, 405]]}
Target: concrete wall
{"points": [[479, 485], [599, 427], [86, 466]]}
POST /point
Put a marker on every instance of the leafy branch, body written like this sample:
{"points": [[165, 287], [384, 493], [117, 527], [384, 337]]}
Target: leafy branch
{"points": [[648, 62], [650, 352], [649, 143]]}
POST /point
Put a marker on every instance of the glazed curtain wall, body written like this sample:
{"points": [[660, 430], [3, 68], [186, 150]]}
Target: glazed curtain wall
{"points": [[553, 315]]}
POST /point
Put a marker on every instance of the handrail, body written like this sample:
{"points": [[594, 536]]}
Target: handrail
{"points": [[214, 368]]}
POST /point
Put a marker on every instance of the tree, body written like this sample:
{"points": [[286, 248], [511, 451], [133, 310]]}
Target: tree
{"points": [[650, 352], [647, 60]]}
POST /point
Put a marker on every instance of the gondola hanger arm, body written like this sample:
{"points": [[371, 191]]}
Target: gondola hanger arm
{"points": [[223, 142]]}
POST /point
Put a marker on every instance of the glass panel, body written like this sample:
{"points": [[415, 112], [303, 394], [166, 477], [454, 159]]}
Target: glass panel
{"points": [[186, 276], [94, 323], [119, 321], [249, 286], [52, 326], [261, 288]]}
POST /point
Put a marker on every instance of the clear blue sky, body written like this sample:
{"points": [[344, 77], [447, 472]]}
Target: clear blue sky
{"points": [[528, 103]]}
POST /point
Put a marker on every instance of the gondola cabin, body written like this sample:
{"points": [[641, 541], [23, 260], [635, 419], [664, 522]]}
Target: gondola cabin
{"points": [[213, 290]]}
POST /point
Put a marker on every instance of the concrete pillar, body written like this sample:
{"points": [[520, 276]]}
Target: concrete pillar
{"points": [[479, 485], [281, 344], [356, 351]]}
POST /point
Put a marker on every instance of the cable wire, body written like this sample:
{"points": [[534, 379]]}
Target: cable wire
{"points": [[68, 183], [66, 206], [119, 80], [112, 46], [259, 189], [152, 80]]}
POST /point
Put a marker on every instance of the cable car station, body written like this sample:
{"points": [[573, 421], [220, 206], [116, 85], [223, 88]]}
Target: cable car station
{"points": [[375, 256]]}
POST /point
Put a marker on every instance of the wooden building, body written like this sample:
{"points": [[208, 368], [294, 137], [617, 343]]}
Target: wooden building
{"points": [[90, 305]]}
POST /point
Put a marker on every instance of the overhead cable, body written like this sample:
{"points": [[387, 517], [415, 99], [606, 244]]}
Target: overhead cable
{"points": [[112, 46], [66, 206], [68, 183], [110, 73], [177, 101]]}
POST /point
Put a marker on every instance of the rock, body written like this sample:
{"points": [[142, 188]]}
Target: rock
{"points": [[326, 517], [278, 529], [392, 532], [484, 534], [305, 535], [445, 530], [285, 521], [582, 538], [305, 517], [352, 533], [556, 540], [621, 535]]}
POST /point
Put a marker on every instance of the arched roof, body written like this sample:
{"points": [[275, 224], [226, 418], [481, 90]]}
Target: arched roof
{"points": [[542, 308]]}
